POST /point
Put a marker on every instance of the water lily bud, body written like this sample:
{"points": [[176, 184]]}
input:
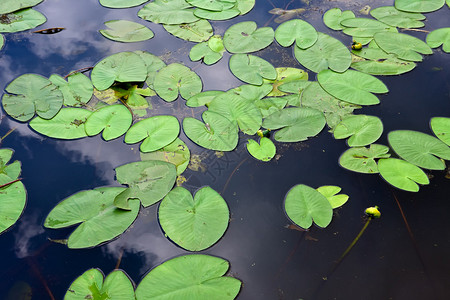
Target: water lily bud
{"points": [[373, 212], [356, 46]]}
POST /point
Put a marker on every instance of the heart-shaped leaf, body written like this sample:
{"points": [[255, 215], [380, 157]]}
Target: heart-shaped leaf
{"points": [[402, 174], [419, 6], [362, 130], [301, 32], [243, 37], [440, 37], [77, 90], [126, 31], [113, 120], [251, 69], [331, 193], [197, 31], [334, 16], [393, 17], [441, 128], [375, 61], [263, 151], [362, 159], [168, 12], [364, 27], [403, 45], [176, 153], [21, 20]]}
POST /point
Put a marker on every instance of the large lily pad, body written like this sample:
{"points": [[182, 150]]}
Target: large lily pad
{"points": [[364, 27], [126, 31], [121, 3], [334, 16], [197, 31], [168, 12], [419, 6], [100, 220], [113, 120], [375, 61], [362, 159], [441, 128], [90, 285], [352, 86], [402, 174], [440, 37], [296, 123], [362, 130], [21, 20], [251, 69], [301, 32], [393, 17], [194, 223], [403, 45], [157, 132], [243, 37], [194, 276], [176, 153], [30, 94], [8, 6], [419, 148], [263, 151], [77, 90], [303, 205], [68, 124]]}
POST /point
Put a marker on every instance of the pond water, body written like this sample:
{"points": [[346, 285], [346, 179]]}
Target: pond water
{"points": [[272, 261]]}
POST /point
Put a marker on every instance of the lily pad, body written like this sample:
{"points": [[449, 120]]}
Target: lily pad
{"points": [[403, 45], [440, 37], [121, 67], [245, 6], [362, 159], [2, 41], [198, 31], [334, 16], [203, 51], [176, 78], [156, 132], [8, 172], [331, 193], [126, 31], [252, 92], [214, 5], [284, 76], [194, 276], [263, 151], [77, 90], [30, 94], [133, 95], [90, 285], [419, 148], [297, 124], [8, 6], [301, 32], [419, 6], [327, 52], [68, 124], [153, 63], [244, 37], [12, 203], [441, 128], [113, 120], [362, 130], [176, 153], [393, 17], [352, 86], [303, 205], [21, 20], [194, 223], [364, 27], [217, 133], [271, 105], [251, 69], [203, 98], [217, 15], [100, 220], [168, 12], [149, 181], [402, 174], [375, 61]]}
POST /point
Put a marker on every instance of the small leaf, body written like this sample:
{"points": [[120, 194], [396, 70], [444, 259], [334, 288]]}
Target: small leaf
{"points": [[113, 120], [301, 32], [251, 69], [362, 160], [243, 37], [77, 90], [402, 174], [440, 37], [176, 153], [334, 16], [263, 151], [330, 191]]}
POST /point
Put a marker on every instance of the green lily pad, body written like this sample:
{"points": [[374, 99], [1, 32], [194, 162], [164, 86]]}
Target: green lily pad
{"points": [[100, 220], [194, 276], [12, 203], [245, 6], [90, 285], [113, 120], [375, 61], [419, 6], [194, 223], [441, 128], [402, 174], [297, 124], [214, 5], [30, 94], [243, 37], [153, 63], [149, 181], [168, 12], [303, 205], [217, 15], [21, 20], [284, 76], [440, 37], [362, 159], [301, 32], [251, 69], [176, 153], [364, 27], [8, 6], [121, 67], [334, 16], [2, 41], [331, 193], [68, 124], [393, 17], [419, 148], [203, 98], [198, 31], [327, 52], [269, 106], [352, 86], [263, 151], [203, 51], [252, 92], [362, 130], [126, 31], [176, 78], [8, 172], [156, 132], [134, 96], [217, 133], [77, 90], [404, 46]]}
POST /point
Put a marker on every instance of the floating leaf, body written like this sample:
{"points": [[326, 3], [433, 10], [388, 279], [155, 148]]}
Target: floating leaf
{"points": [[134, 95], [352, 86], [198, 31], [330, 191], [284, 76], [168, 12], [126, 31], [214, 5], [153, 63], [441, 128], [149, 181], [157, 132], [419, 148], [176, 78], [301, 32], [2, 41], [245, 6], [8, 6], [68, 124], [194, 276], [393, 17], [334, 16], [303, 205], [176, 153], [21, 20], [121, 67], [364, 27], [252, 92], [362, 159], [264, 151], [402, 174], [203, 51], [113, 120], [194, 223], [440, 37], [362, 130], [217, 15], [8, 172], [251, 69], [297, 123], [217, 133], [77, 90], [269, 106], [375, 61], [243, 37], [203, 98], [100, 220], [404, 46], [419, 6], [327, 52]]}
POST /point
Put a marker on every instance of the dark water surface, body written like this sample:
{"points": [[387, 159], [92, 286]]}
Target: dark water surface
{"points": [[272, 261]]}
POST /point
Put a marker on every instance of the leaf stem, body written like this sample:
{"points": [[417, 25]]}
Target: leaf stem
{"points": [[414, 29], [82, 70], [6, 184], [8, 133]]}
